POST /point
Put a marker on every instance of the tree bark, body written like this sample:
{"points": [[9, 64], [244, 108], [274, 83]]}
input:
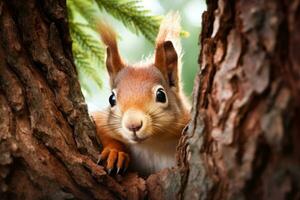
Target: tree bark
{"points": [[242, 142], [48, 147], [246, 103]]}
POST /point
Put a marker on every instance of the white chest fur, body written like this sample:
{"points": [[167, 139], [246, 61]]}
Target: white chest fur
{"points": [[153, 155]]}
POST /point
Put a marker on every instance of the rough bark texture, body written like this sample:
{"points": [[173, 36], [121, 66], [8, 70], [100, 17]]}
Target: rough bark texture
{"points": [[48, 147], [242, 142], [244, 137], [245, 133]]}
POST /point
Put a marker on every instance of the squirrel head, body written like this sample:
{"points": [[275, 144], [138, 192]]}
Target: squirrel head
{"points": [[146, 99]]}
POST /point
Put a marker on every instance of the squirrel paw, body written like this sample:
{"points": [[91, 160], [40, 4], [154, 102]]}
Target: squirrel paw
{"points": [[115, 159]]}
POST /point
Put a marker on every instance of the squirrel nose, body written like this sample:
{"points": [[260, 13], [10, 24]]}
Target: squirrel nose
{"points": [[134, 127]]}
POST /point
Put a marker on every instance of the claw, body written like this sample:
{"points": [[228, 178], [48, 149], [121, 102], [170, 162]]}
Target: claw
{"points": [[115, 161], [99, 160]]}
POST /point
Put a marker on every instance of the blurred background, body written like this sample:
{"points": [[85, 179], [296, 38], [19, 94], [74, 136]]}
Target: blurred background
{"points": [[134, 48]]}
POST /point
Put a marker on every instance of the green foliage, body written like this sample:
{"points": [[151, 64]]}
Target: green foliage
{"points": [[133, 16], [87, 48], [88, 44]]}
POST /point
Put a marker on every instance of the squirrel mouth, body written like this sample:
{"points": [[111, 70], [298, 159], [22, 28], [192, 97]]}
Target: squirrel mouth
{"points": [[137, 139]]}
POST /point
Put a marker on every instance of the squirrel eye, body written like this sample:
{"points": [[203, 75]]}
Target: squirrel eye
{"points": [[161, 96], [112, 100]]}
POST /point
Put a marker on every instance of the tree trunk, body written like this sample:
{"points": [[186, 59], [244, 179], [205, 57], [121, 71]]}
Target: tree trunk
{"points": [[242, 142], [246, 113], [244, 138], [48, 147]]}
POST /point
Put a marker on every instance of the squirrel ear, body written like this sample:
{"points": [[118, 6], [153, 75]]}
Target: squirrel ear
{"points": [[113, 62], [166, 60]]}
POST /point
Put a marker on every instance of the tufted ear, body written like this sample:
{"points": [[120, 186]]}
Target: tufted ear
{"points": [[114, 62], [166, 60]]}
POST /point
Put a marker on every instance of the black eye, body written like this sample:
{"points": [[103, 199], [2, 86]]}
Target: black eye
{"points": [[161, 96], [112, 100]]}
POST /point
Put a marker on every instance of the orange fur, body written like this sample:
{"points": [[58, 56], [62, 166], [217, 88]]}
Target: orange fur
{"points": [[114, 61], [139, 124]]}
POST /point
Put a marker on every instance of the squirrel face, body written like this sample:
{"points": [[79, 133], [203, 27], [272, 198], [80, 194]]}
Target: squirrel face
{"points": [[146, 100], [142, 104]]}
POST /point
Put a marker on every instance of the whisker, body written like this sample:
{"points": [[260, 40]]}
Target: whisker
{"points": [[111, 113], [160, 119], [166, 131], [108, 125]]}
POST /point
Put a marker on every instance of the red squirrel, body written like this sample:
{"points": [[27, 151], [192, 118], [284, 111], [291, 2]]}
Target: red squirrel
{"points": [[148, 109]]}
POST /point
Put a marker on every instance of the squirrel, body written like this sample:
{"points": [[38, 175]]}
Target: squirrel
{"points": [[148, 109]]}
